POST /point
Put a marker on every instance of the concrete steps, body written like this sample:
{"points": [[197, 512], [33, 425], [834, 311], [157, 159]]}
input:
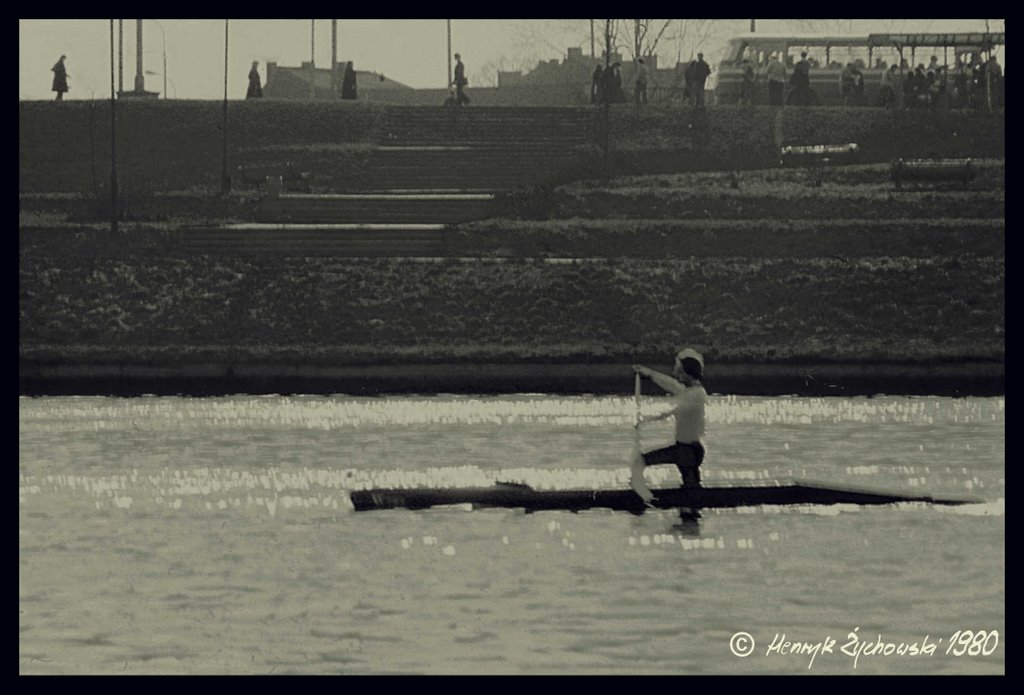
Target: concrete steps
{"points": [[474, 151], [479, 127], [390, 208], [485, 168], [353, 240]]}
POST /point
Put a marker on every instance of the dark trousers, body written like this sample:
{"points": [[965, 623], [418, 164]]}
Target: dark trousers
{"points": [[775, 96], [698, 95], [687, 457], [640, 93], [460, 96]]}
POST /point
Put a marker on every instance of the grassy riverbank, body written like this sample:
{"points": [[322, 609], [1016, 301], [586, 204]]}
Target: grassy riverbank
{"points": [[786, 268], [331, 311]]}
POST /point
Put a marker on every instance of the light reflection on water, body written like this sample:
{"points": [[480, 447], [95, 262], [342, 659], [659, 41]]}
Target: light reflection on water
{"points": [[214, 535]]}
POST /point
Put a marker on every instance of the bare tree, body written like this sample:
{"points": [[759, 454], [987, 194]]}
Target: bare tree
{"points": [[487, 74], [610, 39], [689, 36], [646, 34], [536, 40]]}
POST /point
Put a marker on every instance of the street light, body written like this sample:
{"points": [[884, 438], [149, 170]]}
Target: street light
{"points": [[163, 46]]}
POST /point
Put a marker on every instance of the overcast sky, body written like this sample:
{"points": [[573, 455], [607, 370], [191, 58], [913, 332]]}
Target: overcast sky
{"points": [[413, 52]]}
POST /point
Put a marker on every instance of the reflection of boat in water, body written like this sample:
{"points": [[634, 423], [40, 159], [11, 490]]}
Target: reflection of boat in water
{"points": [[517, 495]]}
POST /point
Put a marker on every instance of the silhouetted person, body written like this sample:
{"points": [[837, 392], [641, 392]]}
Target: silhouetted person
{"points": [[348, 82], [60, 79], [993, 84], [747, 84], [698, 74], [887, 88], [595, 85], [460, 81], [846, 82], [611, 85], [255, 90], [640, 88], [801, 82], [776, 73]]}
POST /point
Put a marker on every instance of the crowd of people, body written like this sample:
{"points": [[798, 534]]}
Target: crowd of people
{"points": [[975, 83], [606, 83]]}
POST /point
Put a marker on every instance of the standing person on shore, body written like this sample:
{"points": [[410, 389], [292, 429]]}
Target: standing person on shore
{"points": [[595, 85], [460, 81], [887, 89], [747, 86], [255, 90], [611, 85], [640, 88], [60, 79], [688, 399], [801, 82], [348, 82], [776, 74], [699, 73]]}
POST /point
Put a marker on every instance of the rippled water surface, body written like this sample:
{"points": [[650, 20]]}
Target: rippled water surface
{"points": [[215, 535]]}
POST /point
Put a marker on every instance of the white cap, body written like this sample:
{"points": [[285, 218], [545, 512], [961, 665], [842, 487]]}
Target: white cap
{"points": [[691, 354]]}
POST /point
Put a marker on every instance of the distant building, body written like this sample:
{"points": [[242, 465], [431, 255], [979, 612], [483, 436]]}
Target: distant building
{"points": [[293, 83], [568, 82], [551, 83]]}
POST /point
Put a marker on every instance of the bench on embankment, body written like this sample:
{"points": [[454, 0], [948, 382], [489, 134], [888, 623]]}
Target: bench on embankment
{"points": [[375, 208], [931, 172], [262, 176]]}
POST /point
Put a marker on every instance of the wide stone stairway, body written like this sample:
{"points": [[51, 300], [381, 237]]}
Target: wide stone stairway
{"points": [[430, 167]]}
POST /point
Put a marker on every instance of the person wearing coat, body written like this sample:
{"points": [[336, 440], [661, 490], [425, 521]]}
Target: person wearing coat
{"points": [[348, 82], [255, 88], [60, 79]]}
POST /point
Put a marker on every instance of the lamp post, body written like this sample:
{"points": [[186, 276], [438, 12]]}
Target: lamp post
{"points": [[312, 59], [113, 138], [140, 80], [449, 84], [163, 47], [120, 56], [225, 180]]}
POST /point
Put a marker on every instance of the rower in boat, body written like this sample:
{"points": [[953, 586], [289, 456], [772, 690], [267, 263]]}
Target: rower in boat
{"points": [[688, 398]]}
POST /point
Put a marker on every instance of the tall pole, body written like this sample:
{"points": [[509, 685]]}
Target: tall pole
{"points": [[312, 59], [120, 56], [606, 107], [225, 180], [334, 57], [449, 52], [753, 26], [592, 39], [140, 80], [113, 139]]}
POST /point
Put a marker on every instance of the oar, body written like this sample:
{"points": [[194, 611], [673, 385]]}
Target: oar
{"points": [[636, 463]]}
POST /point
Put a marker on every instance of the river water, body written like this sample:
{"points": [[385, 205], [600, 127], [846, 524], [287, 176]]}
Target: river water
{"points": [[215, 536]]}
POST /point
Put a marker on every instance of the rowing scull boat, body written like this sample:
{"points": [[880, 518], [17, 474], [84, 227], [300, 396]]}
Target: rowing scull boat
{"points": [[515, 495]]}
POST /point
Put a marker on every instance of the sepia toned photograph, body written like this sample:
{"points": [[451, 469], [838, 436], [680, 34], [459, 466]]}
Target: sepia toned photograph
{"points": [[512, 347]]}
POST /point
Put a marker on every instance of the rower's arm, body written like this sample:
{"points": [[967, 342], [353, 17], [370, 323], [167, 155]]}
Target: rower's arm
{"points": [[663, 380], [662, 416]]}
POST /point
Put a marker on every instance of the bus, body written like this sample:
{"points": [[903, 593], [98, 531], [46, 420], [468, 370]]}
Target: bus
{"points": [[828, 54]]}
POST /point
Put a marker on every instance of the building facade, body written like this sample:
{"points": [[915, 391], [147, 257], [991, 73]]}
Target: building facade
{"points": [[551, 83]]}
